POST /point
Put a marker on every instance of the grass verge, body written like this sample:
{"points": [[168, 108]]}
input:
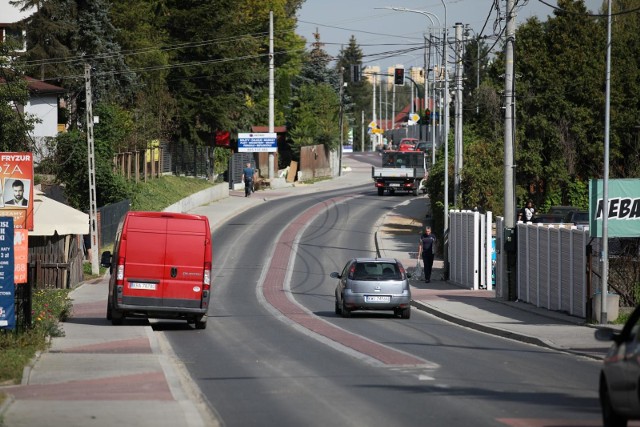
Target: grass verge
{"points": [[17, 348]]}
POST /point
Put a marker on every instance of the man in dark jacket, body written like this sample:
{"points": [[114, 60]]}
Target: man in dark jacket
{"points": [[427, 249]]}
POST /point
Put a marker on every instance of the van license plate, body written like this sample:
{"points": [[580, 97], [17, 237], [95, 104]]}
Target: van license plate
{"points": [[146, 286], [394, 185], [377, 298]]}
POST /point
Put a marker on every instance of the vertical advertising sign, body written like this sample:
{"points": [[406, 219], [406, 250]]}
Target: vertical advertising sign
{"points": [[16, 201], [623, 212], [16, 188], [7, 286]]}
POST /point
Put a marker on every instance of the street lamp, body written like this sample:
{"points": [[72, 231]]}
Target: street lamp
{"points": [[446, 107]]}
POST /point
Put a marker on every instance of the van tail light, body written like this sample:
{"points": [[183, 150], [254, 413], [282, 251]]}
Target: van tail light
{"points": [[120, 271], [206, 280]]}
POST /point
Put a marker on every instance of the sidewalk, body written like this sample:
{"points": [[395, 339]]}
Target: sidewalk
{"points": [[397, 237], [102, 376]]}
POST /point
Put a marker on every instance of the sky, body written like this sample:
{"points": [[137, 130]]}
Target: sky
{"points": [[381, 30]]}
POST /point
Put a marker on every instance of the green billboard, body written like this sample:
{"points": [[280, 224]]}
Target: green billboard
{"points": [[623, 212]]}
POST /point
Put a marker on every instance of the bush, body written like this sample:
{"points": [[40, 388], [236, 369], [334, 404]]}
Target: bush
{"points": [[17, 348]]}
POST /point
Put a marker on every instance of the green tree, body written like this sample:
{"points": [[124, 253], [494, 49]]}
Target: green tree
{"points": [[15, 126], [49, 33], [315, 117], [225, 45], [95, 38], [358, 95], [143, 38], [70, 164]]}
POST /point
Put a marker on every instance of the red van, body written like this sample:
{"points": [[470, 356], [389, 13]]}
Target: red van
{"points": [[160, 268]]}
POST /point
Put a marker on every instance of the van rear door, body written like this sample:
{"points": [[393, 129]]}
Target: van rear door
{"points": [[186, 248], [145, 253]]}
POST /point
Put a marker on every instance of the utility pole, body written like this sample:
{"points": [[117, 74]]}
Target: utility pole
{"points": [[393, 106], [91, 158], [509, 166], [604, 255], [362, 133], [373, 135], [458, 118], [433, 107], [341, 121], [271, 94]]}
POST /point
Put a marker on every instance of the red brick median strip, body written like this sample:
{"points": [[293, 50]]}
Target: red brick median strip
{"points": [[276, 295]]}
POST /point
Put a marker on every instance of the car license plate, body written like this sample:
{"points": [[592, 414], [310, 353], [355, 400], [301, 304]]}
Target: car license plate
{"points": [[394, 185], [377, 298], [145, 286]]}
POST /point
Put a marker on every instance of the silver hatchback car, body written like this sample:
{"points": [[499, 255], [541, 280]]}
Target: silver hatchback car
{"points": [[373, 284]]}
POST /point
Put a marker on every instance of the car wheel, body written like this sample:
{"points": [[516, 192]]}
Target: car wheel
{"points": [[117, 317], [338, 309], [344, 310], [380, 191], [200, 322], [406, 313], [108, 311], [610, 418]]}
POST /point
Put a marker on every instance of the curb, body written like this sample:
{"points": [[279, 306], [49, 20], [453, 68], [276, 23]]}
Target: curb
{"points": [[498, 332]]}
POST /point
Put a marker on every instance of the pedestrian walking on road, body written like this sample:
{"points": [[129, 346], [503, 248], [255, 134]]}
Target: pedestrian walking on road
{"points": [[247, 178], [427, 249]]}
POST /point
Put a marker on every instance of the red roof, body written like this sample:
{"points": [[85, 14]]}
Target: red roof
{"points": [[265, 129], [38, 86]]}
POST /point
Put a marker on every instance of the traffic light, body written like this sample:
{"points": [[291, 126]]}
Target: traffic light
{"points": [[355, 73], [398, 76], [427, 116]]}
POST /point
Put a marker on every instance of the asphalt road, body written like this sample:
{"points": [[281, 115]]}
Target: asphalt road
{"points": [[274, 352]]}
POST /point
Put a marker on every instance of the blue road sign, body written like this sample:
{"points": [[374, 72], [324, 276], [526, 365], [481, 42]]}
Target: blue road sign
{"points": [[7, 285]]}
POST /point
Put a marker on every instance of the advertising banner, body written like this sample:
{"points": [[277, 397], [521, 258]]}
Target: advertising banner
{"points": [[16, 182], [623, 212], [7, 286]]}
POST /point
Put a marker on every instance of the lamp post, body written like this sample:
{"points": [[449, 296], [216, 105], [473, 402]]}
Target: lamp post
{"points": [[446, 107]]}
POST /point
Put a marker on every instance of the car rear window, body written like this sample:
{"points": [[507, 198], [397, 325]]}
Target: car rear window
{"points": [[375, 271]]}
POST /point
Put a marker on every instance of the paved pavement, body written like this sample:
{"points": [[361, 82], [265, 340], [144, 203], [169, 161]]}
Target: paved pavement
{"points": [[99, 375]]}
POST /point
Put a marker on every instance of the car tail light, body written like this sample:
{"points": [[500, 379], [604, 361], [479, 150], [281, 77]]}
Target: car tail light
{"points": [[206, 281], [352, 270], [401, 268], [120, 270]]}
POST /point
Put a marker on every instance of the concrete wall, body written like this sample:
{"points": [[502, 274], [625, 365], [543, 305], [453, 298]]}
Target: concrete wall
{"points": [[217, 192]]}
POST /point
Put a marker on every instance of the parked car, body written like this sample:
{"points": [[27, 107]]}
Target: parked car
{"points": [[563, 210], [373, 284], [160, 268], [619, 388], [549, 218], [423, 146], [579, 218]]}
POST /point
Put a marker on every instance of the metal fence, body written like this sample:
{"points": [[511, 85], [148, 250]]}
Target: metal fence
{"points": [[109, 217], [552, 267], [470, 249]]}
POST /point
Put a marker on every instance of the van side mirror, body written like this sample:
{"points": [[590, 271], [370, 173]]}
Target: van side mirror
{"points": [[105, 259]]}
